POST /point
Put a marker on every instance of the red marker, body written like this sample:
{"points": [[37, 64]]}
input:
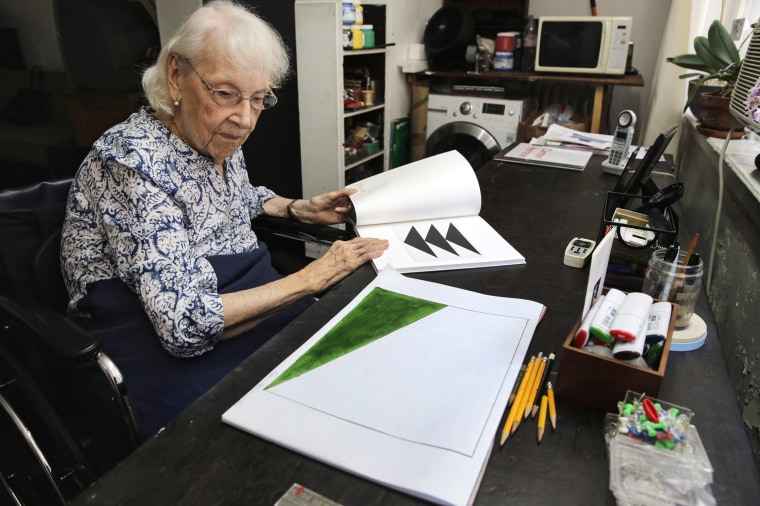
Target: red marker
{"points": [[581, 337]]}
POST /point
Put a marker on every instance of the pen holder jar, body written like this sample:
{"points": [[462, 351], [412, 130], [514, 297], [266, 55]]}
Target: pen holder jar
{"points": [[674, 282]]}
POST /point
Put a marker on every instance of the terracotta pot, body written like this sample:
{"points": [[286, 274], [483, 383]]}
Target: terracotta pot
{"points": [[715, 114], [694, 106]]}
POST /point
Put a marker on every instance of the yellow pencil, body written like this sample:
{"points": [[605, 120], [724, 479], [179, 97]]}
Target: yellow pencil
{"points": [[523, 401], [506, 430], [542, 417], [552, 407], [542, 384], [534, 389]]}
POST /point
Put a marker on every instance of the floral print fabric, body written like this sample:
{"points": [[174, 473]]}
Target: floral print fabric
{"points": [[147, 209]]}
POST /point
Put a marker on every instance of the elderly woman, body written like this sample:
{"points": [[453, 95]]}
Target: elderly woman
{"points": [[158, 253]]}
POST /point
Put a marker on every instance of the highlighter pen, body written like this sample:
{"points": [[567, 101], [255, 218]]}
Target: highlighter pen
{"points": [[600, 325], [581, 337], [632, 318], [659, 322], [631, 350]]}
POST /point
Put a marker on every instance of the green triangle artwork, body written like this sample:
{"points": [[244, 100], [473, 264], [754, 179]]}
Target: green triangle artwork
{"points": [[380, 313]]}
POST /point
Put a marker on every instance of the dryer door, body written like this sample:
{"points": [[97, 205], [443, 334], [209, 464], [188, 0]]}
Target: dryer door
{"points": [[472, 141]]}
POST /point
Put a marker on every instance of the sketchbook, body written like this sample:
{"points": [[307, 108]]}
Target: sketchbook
{"points": [[560, 158], [428, 211], [405, 386]]}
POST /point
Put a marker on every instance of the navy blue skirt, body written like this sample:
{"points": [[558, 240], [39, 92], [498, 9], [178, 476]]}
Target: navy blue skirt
{"points": [[159, 385]]}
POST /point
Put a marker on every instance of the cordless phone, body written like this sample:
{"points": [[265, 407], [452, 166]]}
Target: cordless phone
{"points": [[621, 143]]}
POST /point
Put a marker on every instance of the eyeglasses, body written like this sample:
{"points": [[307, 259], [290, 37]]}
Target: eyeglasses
{"points": [[230, 98]]}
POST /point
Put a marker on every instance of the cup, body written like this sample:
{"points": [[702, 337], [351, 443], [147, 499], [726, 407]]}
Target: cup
{"points": [[674, 282]]}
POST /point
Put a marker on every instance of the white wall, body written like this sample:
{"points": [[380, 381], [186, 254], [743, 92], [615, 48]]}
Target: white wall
{"points": [[172, 13], [649, 22], [408, 21]]}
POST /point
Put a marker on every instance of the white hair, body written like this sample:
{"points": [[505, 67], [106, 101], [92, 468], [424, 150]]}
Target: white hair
{"points": [[221, 29]]}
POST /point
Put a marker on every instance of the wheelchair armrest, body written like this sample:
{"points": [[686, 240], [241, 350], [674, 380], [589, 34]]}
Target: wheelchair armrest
{"points": [[51, 330], [304, 232]]}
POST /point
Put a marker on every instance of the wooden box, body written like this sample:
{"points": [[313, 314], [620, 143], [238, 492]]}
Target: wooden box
{"points": [[598, 383]]}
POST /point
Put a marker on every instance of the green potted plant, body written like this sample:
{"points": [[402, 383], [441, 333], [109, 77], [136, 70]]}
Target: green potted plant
{"points": [[715, 61]]}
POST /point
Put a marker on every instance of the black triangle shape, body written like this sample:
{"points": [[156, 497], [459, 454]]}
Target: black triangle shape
{"points": [[455, 236], [415, 240], [435, 238]]}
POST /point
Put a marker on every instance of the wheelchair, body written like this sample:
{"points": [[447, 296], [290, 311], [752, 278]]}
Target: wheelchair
{"points": [[65, 413]]}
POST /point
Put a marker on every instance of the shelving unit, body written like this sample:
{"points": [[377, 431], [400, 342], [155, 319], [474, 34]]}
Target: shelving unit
{"points": [[324, 123]]}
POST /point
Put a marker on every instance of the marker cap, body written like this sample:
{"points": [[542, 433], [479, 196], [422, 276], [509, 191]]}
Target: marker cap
{"points": [[631, 316]]}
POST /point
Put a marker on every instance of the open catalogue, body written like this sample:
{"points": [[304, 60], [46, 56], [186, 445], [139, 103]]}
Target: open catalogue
{"points": [[428, 211]]}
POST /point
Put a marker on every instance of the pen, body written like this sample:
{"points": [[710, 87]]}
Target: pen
{"points": [[690, 251], [507, 429], [517, 385], [542, 417], [552, 406], [583, 334], [593, 7], [671, 256], [542, 384]]}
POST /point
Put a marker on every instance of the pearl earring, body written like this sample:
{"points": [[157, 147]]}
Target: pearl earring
{"points": [[176, 103]]}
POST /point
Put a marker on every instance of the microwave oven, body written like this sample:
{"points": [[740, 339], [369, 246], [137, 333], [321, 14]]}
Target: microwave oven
{"points": [[583, 44]]}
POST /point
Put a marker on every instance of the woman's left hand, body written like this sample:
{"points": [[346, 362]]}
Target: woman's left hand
{"points": [[327, 208]]}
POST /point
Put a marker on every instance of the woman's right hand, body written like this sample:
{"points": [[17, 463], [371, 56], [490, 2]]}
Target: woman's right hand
{"points": [[343, 258]]}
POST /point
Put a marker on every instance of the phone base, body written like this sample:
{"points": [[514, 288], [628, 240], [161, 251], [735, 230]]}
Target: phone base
{"points": [[610, 168]]}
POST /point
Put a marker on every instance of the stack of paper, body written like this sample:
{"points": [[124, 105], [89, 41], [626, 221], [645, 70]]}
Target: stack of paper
{"points": [[560, 158], [405, 386], [559, 136]]}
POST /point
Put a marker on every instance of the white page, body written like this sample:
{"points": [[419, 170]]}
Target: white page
{"points": [[416, 410], [440, 186], [486, 248]]}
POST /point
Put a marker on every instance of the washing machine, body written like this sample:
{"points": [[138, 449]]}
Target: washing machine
{"points": [[477, 127]]}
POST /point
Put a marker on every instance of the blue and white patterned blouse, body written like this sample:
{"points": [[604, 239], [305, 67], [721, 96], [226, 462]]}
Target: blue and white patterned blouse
{"points": [[147, 209]]}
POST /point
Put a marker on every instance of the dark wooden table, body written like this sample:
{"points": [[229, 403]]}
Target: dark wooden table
{"points": [[198, 459]]}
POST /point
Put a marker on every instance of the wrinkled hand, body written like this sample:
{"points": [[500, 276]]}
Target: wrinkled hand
{"points": [[329, 208], [343, 258]]}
